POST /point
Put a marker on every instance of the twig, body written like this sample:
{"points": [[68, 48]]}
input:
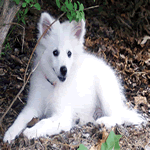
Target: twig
{"points": [[119, 18], [13, 23], [44, 34], [14, 99], [25, 82], [91, 7], [8, 17], [18, 93], [21, 100], [38, 43]]}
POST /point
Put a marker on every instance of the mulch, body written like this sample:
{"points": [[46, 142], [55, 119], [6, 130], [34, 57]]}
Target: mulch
{"points": [[116, 45]]}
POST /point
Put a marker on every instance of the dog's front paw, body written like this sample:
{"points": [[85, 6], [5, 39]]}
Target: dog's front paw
{"points": [[10, 134], [31, 133], [35, 132], [108, 121], [8, 137]]}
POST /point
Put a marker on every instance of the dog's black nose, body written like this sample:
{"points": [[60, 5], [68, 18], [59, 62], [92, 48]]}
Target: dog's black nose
{"points": [[63, 70]]}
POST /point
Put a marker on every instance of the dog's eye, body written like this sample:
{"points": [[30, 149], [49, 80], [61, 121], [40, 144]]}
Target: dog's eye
{"points": [[69, 54], [56, 52]]}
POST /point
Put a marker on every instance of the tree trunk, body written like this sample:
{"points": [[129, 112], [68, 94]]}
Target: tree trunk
{"points": [[7, 15]]}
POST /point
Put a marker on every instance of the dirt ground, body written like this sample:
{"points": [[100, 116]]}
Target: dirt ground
{"points": [[121, 50]]}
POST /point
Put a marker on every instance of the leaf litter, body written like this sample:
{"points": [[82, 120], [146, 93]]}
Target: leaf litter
{"points": [[128, 55]]}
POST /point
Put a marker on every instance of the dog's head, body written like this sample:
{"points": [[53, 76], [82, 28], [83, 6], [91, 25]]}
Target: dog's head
{"points": [[62, 42]]}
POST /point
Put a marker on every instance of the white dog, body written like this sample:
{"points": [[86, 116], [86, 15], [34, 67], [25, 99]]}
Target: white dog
{"points": [[68, 85]]}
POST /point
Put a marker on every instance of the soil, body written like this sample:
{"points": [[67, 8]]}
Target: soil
{"points": [[125, 54]]}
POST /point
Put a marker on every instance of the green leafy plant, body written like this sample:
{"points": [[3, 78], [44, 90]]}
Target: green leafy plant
{"points": [[82, 147], [7, 46], [74, 10], [21, 15], [111, 142], [2, 53], [31, 3], [26, 3]]}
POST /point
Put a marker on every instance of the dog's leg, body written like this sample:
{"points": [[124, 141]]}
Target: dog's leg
{"points": [[111, 96], [34, 108], [20, 123], [50, 126]]}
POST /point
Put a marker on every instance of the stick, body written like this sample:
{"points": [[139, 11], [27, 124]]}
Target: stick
{"points": [[38, 43], [26, 81]]}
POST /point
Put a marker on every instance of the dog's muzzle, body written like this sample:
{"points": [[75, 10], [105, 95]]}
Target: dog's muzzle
{"points": [[63, 71], [62, 78]]}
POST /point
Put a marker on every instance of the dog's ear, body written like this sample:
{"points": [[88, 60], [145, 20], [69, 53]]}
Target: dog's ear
{"points": [[45, 21], [79, 30]]}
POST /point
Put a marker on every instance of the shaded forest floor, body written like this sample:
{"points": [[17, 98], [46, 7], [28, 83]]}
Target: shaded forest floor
{"points": [[123, 51]]}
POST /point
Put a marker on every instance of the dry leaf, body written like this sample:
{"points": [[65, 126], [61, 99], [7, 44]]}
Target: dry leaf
{"points": [[138, 100], [145, 39], [32, 122], [100, 141]]}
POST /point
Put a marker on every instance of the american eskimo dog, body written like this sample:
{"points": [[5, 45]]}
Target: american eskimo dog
{"points": [[69, 84]]}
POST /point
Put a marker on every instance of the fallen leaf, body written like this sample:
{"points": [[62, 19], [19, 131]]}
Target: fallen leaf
{"points": [[32, 122], [145, 39], [138, 100]]}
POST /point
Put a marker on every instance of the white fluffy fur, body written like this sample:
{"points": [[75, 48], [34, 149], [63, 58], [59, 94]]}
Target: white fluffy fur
{"points": [[89, 82]]}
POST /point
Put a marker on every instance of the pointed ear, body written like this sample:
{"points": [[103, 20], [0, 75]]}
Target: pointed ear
{"points": [[79, 30], [44, 22]]}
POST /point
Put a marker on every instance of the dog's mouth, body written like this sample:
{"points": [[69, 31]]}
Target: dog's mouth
{"points": [[62, 78]]}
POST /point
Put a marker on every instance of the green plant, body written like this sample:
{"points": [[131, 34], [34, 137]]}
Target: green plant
{"points": [[82, 147], [74, 10], [7, 46], [111, 142], [2, 53], [26, 3], [31, 3], [21, 15]]}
